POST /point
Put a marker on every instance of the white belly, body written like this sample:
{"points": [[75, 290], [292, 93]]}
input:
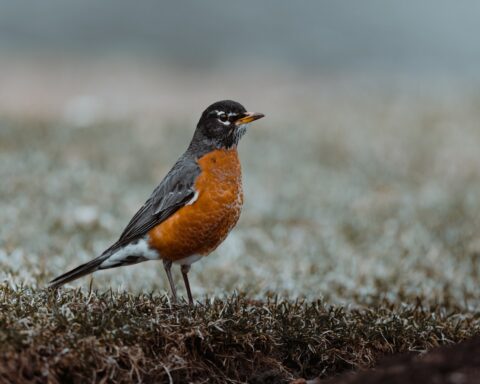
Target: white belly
{"points": [[188, 260]]}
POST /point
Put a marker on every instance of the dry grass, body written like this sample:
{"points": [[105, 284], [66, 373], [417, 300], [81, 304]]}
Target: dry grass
{"points": [[121, 337], [361, 201]]}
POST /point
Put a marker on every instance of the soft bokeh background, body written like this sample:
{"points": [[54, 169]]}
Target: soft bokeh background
{"points": [[362, 181]]}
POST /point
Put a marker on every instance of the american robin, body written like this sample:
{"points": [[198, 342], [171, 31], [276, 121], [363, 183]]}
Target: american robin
{"points": [[194, 207]]}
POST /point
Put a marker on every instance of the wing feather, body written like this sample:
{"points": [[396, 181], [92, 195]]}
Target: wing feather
{"points": [[175, 190]]}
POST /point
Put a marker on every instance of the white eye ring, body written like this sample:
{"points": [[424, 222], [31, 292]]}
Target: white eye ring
{"points": [[224, 122], [223, 118]]}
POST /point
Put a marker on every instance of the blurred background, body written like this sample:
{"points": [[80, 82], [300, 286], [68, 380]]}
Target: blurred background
{"points": [[361, 181], [149, 57]]}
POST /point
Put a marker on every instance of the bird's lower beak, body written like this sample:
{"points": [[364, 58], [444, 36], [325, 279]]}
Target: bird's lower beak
{"points": [[248, 117]]}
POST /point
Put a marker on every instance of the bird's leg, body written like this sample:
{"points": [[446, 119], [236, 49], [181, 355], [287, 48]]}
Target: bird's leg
{"points": [[167, 264], [185, 270]]}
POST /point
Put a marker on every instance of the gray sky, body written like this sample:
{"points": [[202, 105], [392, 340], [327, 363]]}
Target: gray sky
{"points": [[323, 35]]}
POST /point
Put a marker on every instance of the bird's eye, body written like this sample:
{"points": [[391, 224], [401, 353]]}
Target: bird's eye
{"points": [[223, 117]]}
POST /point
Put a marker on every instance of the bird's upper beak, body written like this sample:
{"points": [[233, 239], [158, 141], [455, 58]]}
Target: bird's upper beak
{"points": [[248, 117]]}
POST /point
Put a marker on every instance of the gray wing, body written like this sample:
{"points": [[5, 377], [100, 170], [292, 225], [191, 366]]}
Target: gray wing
{"points": [[175, 190]]}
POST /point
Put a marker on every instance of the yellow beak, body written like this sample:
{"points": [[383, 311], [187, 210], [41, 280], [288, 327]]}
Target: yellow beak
{"points": [[249, 117]]}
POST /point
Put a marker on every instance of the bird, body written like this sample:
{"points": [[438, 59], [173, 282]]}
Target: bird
{"points": [[193, 209]]}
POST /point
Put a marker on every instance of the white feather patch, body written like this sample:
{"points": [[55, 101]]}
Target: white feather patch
{"points": [[188, 260], [221, 113], [139, 248], [194, 198]]}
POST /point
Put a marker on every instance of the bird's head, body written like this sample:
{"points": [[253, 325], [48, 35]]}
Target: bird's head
{"points": [[224, 123]]}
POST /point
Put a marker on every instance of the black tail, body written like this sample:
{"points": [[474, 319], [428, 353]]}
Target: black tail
{"points": [[78, 272]]}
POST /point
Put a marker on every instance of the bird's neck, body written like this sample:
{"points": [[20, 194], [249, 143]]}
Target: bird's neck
{"points": [[201, 145]]}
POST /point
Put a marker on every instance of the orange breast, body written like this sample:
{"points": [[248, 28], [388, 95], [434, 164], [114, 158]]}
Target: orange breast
{"points": [[200, 227]]}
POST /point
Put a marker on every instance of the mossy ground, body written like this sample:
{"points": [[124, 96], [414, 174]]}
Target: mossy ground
{"points": [[80, 336]]}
